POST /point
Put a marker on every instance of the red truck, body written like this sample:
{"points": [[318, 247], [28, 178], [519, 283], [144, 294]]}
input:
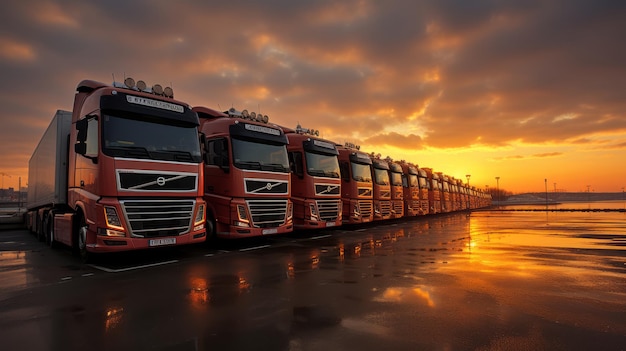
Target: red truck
{"points": [[121, 171], [356, 184], [434, 194], [315, 179], [382, 188], [246, 174], [424, 190], [397, 192], [410, 185], [446, 201]]}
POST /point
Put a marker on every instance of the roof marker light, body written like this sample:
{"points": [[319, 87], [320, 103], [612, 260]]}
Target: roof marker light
{"points": [[141, 85], [168, 92], [157, 89], [129, 82]]}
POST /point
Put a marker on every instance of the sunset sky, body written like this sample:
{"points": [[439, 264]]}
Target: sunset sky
{"points": [[523, 90]]}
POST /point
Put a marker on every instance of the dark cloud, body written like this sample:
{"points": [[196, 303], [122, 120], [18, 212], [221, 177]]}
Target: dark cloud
{"points": [[464, 72]]}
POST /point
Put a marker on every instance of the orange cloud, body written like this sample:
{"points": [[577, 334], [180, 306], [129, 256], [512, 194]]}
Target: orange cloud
{"points": [[410, 141], [16, 51]]}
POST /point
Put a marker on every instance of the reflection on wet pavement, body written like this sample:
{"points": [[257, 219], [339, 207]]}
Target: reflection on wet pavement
{"points": [[485, 281]]}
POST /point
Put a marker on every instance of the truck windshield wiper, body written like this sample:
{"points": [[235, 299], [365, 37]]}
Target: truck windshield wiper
{"points": [[317, 172], [249, 164], [129, 151], [275, 167], [331, 174], [180, 154]]}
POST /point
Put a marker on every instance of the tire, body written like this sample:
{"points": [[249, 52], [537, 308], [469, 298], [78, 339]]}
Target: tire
{"points": [[40, 232], [49, 228], [210, 230], [81, 244]]}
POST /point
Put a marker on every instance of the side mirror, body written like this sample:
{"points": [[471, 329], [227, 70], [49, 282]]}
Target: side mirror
{"points": [[80, 148]]}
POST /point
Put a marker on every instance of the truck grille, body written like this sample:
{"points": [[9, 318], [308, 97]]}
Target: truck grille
{"points": [[328, 209], [156, 218], [262, 186], [135, 180], [398, 207], [385, 208], [365, 206], [267, 213], [327, 189]]}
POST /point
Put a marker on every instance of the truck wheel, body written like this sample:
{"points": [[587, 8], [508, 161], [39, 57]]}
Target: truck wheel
{"points": [[210, 229], [82, 244], [49, 228], [40, 233]]}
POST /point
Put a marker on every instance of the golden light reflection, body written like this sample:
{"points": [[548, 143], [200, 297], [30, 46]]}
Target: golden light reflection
{"points": [[199, 292], [315, 261], [244, 285], [290, 270], [357, 250], [113, 318], [342, 254], [406, 295]]}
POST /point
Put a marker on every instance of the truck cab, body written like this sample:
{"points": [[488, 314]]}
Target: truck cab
{"points": [[382, 188], [356, 184], [434, 194], [133, 177], [315, 179], [410, 186], [247, 174], [397, 192]]}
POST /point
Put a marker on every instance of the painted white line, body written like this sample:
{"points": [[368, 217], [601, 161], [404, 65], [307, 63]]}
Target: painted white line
{"points": [[109, 270], [254, 248], [66, 278], [320, 237], [209, 255], [360, 230], [88, 274]]}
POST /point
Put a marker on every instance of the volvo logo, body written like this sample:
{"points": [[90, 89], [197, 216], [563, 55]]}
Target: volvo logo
{"points": [[160, 181], [269, 186]]}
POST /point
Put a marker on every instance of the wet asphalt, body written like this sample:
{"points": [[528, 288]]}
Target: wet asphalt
{"points": [[486, 281]]}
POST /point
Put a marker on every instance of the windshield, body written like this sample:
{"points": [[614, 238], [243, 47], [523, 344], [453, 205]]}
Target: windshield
{"points": [[412, 180], [396, 178], [424, 184], [322, 165], [361, 172], [259, 156], [381, 176], [132, 138]]}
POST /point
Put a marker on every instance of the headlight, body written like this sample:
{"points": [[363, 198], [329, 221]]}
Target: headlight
{"points": [[199, 215], [113, 220], [242, 213]]}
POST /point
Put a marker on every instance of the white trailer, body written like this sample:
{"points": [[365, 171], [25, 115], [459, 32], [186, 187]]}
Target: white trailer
{"points": [[47, 172]]}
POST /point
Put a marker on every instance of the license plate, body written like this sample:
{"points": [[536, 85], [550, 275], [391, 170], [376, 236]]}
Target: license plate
{"points": [[160, 242], [330, 224], [270, 231]]}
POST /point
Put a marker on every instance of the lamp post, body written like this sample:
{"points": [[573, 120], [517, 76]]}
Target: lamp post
{"points": [[498, 191], [468, 189], [546, 181]]}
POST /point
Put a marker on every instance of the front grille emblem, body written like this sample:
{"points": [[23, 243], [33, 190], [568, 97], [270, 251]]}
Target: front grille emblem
{"points": [[160, 181]]}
